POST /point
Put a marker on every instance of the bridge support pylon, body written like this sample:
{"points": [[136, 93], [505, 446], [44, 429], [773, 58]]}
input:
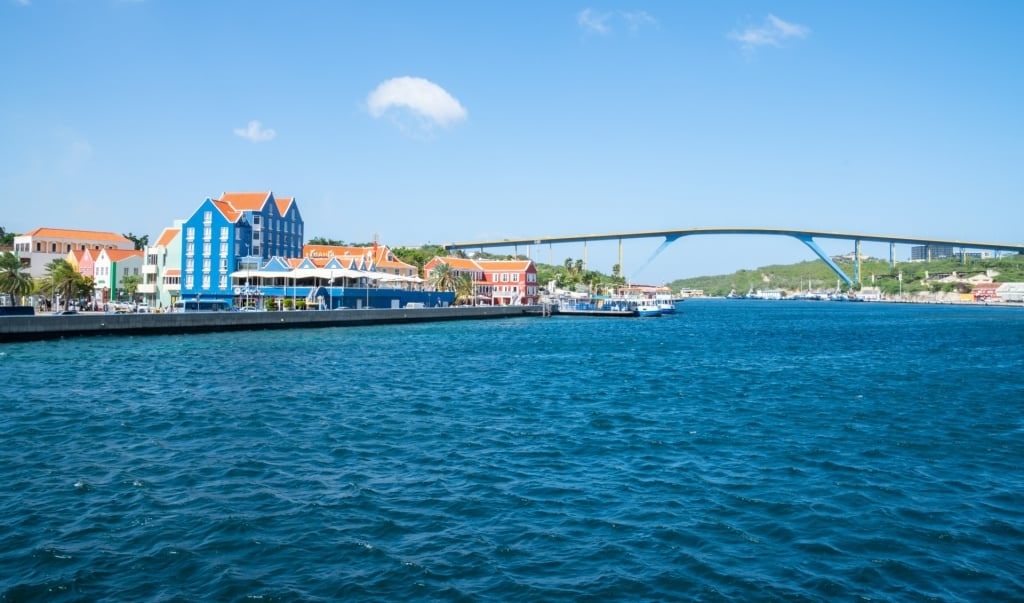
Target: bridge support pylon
{"points": [[809, 241]]}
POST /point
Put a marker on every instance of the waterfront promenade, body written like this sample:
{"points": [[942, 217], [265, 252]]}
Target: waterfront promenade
{"points": [[42, 327]]}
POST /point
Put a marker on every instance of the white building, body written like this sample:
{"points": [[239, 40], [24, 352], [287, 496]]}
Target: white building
{"points": [[112, 266], [161, 269], [38, 248]]}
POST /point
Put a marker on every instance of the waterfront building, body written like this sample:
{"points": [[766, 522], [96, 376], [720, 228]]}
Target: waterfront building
{"points": [[38, 248], [111, 268], [83, 261], [238, 231], [161, 270], [495, 282], [377, 258]]}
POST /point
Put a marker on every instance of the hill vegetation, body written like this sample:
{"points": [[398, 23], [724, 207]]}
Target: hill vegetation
{"points": [[816, 275]]}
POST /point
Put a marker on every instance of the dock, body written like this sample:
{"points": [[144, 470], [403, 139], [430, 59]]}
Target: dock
{"points": [[44, 327]]}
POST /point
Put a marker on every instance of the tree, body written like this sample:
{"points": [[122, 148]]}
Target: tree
{"points": [[140, 242], [464, 288], [6, 238], [130, 284], [14, 281], [442, 278], [62, 279], [326, 241]]}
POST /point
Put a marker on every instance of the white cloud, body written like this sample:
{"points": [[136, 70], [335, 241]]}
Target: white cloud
{"points": [[420, 96], [593, 21], [770, 33], [23, 2], [603, 23], [255, 132]]}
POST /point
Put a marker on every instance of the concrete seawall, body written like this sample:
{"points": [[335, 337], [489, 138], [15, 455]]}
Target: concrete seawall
{"points": [[35, 328]]}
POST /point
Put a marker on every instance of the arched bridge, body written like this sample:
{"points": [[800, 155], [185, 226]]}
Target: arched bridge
{"points": [[807, 237]]}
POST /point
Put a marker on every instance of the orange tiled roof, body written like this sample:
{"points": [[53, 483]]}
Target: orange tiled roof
{"points": [[87, 235], [283, 205], [172, 272], [167, 236], [461, 263], [227, 210], [246, 201], [116, 255], [504, 264]]}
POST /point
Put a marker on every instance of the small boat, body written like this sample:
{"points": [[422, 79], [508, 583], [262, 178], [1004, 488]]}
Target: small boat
{"points": [[589, 307], [647, 307], [665, 303]]}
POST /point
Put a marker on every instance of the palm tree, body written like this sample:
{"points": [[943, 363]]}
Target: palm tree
{"points": [[14, 281], [62, 279], [442, 277], [464, 288]]}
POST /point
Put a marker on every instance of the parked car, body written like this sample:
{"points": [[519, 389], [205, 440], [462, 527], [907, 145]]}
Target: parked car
{"points": [[143, 308]]}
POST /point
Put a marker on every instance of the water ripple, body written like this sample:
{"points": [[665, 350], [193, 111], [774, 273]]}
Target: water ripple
{"points": [[734, 451]]}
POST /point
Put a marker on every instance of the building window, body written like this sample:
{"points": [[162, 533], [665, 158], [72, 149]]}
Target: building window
{"points": [[515, 277], [190, 233], [223, 233], [223, 283], [190, 249], [206, 281], [206, 249], [189, 281], [256, 219], [207, 217]]}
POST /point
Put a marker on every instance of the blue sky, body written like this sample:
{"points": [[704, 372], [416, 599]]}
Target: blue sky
{"points": [[452, 121]]}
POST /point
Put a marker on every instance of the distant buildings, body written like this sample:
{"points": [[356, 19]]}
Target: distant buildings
{"points": [[43, 245], [924, 253]]}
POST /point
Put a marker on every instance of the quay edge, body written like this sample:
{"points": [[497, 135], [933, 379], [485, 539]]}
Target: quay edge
{"points": [[38, 328]]}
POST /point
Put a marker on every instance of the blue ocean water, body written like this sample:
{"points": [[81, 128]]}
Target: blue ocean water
{"points": [[737, 450]]}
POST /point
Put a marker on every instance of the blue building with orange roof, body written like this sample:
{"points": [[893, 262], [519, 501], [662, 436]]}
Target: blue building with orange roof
{"points": [[238, 231]]}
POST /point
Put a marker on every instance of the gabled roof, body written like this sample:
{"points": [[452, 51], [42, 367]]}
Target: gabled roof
{"points": [[247, 201], [230, 213], [118, 255], [167, 236], [88, 235], [283, 205]]}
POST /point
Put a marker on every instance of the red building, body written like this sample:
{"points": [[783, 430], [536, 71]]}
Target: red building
{"points": [[495, 282]]}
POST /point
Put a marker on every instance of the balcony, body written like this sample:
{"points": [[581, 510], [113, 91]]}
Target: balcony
{"points": [[149, 268], [144, 288]]}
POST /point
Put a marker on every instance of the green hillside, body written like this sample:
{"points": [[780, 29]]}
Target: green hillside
{"points": [[816, 275]]}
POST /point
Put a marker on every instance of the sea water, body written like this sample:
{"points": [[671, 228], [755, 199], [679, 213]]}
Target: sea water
{"points": [[747, 450]]}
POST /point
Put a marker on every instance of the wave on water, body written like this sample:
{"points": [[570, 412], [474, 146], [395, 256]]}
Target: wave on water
{"points": [[732, 451]]}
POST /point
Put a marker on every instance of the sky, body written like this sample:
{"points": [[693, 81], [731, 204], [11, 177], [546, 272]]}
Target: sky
{"points": [[433, 122]]}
